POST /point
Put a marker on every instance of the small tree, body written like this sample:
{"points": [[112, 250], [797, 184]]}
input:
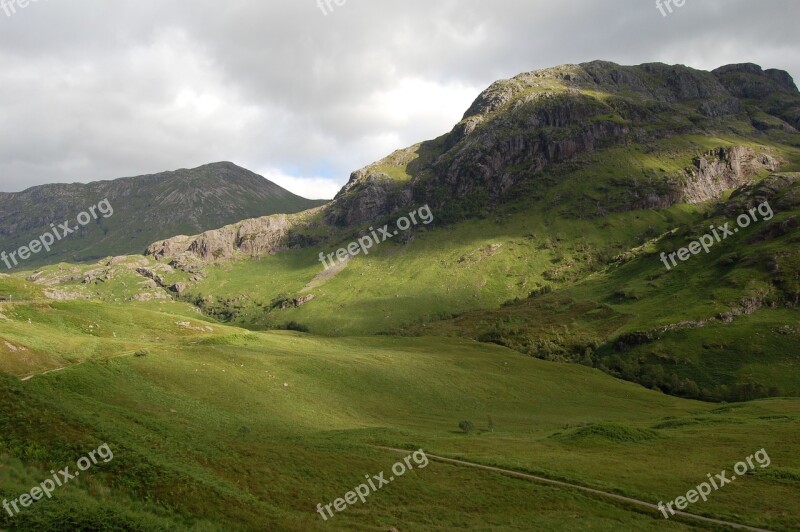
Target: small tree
{"points": [[490, 423], [466, 426]]}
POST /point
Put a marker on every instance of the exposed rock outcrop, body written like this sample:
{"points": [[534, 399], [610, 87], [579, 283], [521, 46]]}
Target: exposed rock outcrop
{"points": [[773, 91], [250, 238], [259, 236], [179, 288], [723, 169], [297, 301], [748, 80]]}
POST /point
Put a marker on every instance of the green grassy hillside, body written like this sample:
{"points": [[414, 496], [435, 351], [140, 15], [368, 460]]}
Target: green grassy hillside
{"points": [[213, 429], [496, 275], [722, 325]]}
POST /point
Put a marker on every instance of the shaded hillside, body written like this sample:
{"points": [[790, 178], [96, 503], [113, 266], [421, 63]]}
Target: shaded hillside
{"points": [[146, 208], [719, 326]]}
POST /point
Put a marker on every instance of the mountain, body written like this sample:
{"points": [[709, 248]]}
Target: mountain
{"points": [[647, 136], [145, 208], [538, 288], [516, 133], [559, 189]]}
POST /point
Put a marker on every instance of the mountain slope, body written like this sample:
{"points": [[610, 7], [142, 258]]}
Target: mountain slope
{"points": [[545, 211], [552, 178], [720, 326], [146, 208], [595, 138], [517, 133]]}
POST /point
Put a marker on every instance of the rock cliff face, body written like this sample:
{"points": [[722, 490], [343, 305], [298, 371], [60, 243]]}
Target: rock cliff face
{"points": [[252, 238], [542, 131], [723, 169], [772, 91], [521, 131]]}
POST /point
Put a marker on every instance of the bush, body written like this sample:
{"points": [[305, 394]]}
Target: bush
{"points": [[466, 426], [141, 353], [294, 326], [546, 289], [493, 337]]}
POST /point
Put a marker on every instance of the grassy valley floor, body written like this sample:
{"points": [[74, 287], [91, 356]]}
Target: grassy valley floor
{"points": [[224, 427]]}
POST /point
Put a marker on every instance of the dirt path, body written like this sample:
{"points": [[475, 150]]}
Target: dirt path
{"points": [[593, 491], [29, 377]]}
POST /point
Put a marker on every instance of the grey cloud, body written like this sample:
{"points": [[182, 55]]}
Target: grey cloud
{"points": [[106, 88]]}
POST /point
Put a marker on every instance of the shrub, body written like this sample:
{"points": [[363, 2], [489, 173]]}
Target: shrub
{"points": [[466, 426], [546, 289], [141, 353], [493, 337], [294, 326]]}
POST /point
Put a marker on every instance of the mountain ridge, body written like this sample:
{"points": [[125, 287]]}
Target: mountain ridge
{"points": [[558, 113], [518, 130], [147, 207]]}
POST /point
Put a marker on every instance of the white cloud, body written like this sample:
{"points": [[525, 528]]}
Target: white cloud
{"points": [[307, 187]]}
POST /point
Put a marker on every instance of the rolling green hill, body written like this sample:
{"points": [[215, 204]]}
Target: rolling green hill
{"points": [[217, 427]]}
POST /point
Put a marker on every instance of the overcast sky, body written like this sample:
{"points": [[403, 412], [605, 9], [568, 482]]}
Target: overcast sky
{"points": [[100, 89]]}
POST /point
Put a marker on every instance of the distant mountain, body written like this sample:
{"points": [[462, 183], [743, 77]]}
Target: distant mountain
{"points": [[146, 208]]}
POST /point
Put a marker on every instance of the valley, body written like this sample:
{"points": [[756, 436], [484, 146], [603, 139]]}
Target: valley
{"points": [[525, 333]]}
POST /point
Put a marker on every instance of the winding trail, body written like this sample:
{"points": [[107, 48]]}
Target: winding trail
{"points": [[568, 485], [29, 377]]}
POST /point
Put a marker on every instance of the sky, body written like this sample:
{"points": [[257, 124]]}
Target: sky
{"points": [[303, 93]]}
